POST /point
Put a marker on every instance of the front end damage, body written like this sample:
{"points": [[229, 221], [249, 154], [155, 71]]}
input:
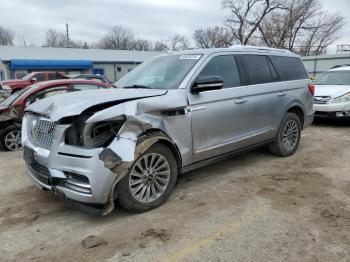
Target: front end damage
{"points": [[91, 152]]}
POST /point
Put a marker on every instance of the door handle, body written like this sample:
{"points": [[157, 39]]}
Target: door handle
{"points": [[193, 109], [241, 101], [281, 94]]}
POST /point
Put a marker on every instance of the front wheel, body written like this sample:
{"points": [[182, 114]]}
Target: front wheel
{"points": [[288, 136], [149, 181], [11, 138]]}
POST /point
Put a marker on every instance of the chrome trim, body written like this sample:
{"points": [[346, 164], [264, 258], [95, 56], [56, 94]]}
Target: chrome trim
{"points": [[196, 108], [232, 141]]}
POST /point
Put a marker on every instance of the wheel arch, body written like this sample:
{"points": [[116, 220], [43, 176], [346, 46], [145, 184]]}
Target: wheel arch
{"points": [[164, 139], [297, 108]]}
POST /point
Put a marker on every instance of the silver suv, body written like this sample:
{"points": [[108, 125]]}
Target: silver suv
{"points": [[170, 115]]}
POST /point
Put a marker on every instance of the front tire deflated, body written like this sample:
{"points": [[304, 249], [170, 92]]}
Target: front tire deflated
{"points": [[150, 180]]}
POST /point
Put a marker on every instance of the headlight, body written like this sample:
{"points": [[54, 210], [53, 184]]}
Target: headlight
{"points": [[342, 99], [6, 87], [93, 135]]}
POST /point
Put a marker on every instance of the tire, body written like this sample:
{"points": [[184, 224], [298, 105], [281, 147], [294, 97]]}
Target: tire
{"points": [[289, 145], [14, 133], [130, 195]]}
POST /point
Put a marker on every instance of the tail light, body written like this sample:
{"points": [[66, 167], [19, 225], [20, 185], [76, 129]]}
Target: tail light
{"points": [[311, 87]]}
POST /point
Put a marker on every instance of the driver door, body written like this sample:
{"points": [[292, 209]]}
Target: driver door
{"points": [[221, 119]]}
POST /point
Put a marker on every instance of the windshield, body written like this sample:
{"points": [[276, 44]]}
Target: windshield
{"points": [[24, 92], [163, 72], [334, 78], [12, 98], [27, 77]]}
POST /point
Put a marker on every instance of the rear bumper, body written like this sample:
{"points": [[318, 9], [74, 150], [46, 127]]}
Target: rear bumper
{"points": [[309, 119]]}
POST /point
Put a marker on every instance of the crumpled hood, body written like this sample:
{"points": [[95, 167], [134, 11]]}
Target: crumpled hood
{"points": [[331, 90], [71, 104]]}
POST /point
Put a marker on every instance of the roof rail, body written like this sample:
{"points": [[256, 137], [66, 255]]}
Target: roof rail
{"points": [[262, 48]]}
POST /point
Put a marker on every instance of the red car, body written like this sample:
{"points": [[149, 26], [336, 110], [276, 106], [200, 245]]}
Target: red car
{"points": [[14, 85], [12, 108]]}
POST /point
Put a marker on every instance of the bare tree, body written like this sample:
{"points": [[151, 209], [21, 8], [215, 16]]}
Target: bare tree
{"points": [[300, 26], [213, 37], [142, 45], [246, 16], [178, 42], [118, 37], [6, 36], [323, 33], [54, 38], [160, 46]]}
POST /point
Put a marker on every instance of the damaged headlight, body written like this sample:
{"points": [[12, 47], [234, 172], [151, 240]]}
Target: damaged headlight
{"points": [[93, 135]]}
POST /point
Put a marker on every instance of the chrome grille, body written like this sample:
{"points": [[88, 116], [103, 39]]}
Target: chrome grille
{"points": [[40, 131], [321, 99]]}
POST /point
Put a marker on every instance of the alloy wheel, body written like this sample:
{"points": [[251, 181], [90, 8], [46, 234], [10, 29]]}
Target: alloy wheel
{"points": [[290, 135], [149, 177], [12, 140]]}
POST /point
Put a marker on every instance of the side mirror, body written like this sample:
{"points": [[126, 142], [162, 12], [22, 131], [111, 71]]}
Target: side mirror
{"points": [[33, 80], [207, 83]]}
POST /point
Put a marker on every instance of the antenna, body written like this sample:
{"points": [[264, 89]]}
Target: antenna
{"points": [[67, 32]]}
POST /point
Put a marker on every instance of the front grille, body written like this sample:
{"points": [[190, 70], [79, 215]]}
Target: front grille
{"points": [[321, 99], [40, 172], [40, 131]]}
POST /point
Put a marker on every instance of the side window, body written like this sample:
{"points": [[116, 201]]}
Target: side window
{"points": [[82, 87], [289, 68], [53, 76], [39, 76], [225, 67], [257, 69]]}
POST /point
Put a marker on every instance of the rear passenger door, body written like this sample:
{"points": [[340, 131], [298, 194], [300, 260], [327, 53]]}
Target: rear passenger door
{"points": [[265, 94]]}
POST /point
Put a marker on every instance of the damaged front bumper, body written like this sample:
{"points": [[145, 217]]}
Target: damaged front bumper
{"points": [[73, 172]]}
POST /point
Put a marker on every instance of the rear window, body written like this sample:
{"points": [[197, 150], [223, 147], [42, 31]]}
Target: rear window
{"points": [[257, 69], [289, 68]]}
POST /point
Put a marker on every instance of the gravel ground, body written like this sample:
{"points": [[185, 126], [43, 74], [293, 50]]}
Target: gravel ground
{"points": [[254, 207]]}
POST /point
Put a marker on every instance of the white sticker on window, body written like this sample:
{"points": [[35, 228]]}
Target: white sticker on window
{"points": [[190, 57]]}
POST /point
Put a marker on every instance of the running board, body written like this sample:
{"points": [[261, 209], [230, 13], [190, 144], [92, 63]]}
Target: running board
{"points": [[215, 159]]}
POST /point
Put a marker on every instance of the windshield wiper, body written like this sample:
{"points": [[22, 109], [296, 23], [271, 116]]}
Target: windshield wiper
{"points": [[138, 86]]}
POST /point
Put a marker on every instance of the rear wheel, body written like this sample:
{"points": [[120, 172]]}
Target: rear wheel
{"points": [[150, 180], [11, 138], [288, 136]]}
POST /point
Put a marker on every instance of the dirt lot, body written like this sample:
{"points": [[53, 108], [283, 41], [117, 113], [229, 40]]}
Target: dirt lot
{"points": [[254, 207]]}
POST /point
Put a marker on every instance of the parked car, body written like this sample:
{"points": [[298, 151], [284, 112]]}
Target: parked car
{"points": [[8, 87], [101, 78], [175, 113], [332, 94], [12, 108]]}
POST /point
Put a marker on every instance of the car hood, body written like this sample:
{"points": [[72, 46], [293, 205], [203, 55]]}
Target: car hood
{"points": [[331, 90], [75, 103]]}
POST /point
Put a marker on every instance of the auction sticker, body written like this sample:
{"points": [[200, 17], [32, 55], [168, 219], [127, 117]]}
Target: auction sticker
{"points": [[190, 57]]}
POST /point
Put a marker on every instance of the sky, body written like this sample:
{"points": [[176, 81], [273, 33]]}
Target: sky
{"points": [[154, 20]]}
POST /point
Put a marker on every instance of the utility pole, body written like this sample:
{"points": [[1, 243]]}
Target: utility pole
{"points": [[67, 32]]}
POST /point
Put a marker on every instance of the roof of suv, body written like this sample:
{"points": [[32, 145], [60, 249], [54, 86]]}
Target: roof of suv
{"points": [[240, 48]]}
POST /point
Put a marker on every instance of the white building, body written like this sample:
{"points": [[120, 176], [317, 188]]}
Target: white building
{"points": [[18, 61]]}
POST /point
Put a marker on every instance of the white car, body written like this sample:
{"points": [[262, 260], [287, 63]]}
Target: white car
{"points": [[332, 93]]}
